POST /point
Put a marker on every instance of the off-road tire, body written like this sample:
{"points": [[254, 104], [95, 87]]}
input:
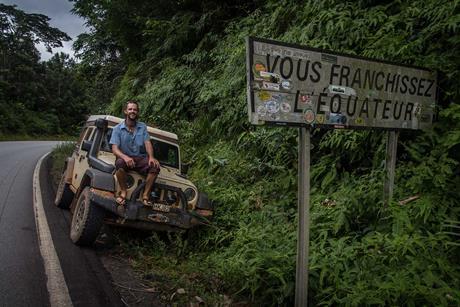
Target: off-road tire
{"points": [[64, 194], [87, 220]]}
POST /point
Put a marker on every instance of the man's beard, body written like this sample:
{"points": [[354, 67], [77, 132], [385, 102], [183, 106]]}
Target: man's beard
{"points": [[129, 118]]}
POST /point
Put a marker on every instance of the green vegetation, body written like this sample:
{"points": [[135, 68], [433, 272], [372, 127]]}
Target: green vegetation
{"points": [[36, 98], [185, 62], [58, 156]]}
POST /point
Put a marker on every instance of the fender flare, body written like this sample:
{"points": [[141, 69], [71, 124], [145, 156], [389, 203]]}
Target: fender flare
{"points": [[100, 180]]}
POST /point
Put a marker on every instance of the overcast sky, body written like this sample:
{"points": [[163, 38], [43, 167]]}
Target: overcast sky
{"points": [[61, 18]]}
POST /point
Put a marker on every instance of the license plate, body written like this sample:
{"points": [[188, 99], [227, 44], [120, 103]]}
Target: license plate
{"points": [[160, 207]]}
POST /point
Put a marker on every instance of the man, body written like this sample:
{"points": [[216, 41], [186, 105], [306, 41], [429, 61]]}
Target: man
{"points": [[129, 138]]}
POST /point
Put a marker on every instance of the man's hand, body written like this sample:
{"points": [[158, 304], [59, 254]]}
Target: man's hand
{"points": [[154, 162], [129, 161], [149, 149]]}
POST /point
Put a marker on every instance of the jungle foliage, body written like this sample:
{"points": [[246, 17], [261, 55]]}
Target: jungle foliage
{"points": [[36, 98], [185, 62]]}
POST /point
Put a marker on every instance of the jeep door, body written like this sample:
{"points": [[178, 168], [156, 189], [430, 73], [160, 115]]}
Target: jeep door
{"points": [[81, 159]]}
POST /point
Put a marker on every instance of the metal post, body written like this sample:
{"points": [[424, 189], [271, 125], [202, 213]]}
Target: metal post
{"points": [[301, 292], [390, 164]]}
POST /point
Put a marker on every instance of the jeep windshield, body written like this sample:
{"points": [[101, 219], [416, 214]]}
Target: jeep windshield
{"points": [[166, 153]]}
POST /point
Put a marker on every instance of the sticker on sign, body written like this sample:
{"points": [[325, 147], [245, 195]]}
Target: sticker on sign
{"points": [[330, 89]]}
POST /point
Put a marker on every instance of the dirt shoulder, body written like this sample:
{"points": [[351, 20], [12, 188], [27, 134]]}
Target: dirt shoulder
{"points": [[129, 284]]}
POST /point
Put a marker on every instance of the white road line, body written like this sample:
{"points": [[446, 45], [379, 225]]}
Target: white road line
{"points": [[57, 287]]}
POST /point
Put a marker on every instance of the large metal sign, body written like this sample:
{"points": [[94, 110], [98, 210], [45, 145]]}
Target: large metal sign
{"points": [[296, 85]]}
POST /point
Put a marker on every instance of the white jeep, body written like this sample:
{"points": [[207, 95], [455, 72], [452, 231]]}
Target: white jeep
{"points": [[89, 187]]}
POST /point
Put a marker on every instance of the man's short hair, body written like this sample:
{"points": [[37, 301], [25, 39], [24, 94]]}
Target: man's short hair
{"points": [[131, 101]]}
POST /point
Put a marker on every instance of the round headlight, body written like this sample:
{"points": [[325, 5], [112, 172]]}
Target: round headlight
{"points": [[129, 181], [189, 194]]}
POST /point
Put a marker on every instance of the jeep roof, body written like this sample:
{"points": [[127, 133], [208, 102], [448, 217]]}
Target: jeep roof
{"points": [[113, 120]]}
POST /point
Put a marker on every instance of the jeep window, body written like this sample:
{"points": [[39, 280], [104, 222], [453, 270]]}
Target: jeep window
{"points": [[85, 135], [82, 135], [164, 152], [93, 135], [88, 133], [105, 146]]}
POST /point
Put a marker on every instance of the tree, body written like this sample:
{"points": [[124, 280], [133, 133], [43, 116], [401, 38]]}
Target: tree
{"points": [[32, 94], [65, 93]]}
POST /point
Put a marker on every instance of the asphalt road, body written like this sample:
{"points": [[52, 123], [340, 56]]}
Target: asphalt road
{"points": [[22, 274], [22, 277]]}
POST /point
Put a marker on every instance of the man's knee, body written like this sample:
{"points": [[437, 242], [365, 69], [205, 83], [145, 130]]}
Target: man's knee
{"points": [[121, 164], [153, 170], [144, 168]]}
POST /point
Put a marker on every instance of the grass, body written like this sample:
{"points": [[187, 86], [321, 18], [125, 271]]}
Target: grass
{"points": [[58, 156]]}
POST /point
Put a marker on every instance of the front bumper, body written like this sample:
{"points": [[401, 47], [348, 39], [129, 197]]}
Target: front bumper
{"points": [[134, 214]]}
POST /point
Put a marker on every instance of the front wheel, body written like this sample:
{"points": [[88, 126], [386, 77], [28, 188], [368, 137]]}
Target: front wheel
{"points": [[64, 194], [87, 220]]}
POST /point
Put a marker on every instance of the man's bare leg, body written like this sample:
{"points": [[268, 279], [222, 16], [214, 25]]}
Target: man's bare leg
{"points": [[121, 177], [148, 185]]}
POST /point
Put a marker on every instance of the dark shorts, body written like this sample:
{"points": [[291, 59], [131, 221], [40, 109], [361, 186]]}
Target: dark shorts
{"points": [[141, 166]]}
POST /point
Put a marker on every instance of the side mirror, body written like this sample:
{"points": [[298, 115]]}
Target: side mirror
{"points": [[184, 168], [86, 145]]}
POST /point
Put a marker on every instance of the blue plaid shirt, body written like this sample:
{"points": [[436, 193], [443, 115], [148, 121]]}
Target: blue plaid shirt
{"points": [[131, 144]]}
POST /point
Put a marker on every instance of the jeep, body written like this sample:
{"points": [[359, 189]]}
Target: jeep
{"points": [[88, 187]]}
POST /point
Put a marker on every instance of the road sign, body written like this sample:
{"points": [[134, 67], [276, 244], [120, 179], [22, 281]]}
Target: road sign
{"points": [[296, 85], [300, 86]]}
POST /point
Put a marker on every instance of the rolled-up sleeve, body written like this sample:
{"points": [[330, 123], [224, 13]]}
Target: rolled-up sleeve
{"points": [[115, 138], [145, 134]]}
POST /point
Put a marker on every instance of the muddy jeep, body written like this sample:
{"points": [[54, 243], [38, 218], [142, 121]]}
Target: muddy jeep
{"points": [[89, 187]]}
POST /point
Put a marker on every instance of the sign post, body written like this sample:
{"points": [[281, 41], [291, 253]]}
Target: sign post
{"points": [[292, 85], [303, 234], [390, 165]]}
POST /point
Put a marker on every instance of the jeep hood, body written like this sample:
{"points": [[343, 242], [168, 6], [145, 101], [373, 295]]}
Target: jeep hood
{"points": [[171, 174]]}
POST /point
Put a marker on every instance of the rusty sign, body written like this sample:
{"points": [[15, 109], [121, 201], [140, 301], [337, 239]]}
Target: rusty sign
{"points": [[295, 85]]}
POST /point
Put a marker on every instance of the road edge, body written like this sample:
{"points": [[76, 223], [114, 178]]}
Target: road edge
{"points": [[56, 285]]}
